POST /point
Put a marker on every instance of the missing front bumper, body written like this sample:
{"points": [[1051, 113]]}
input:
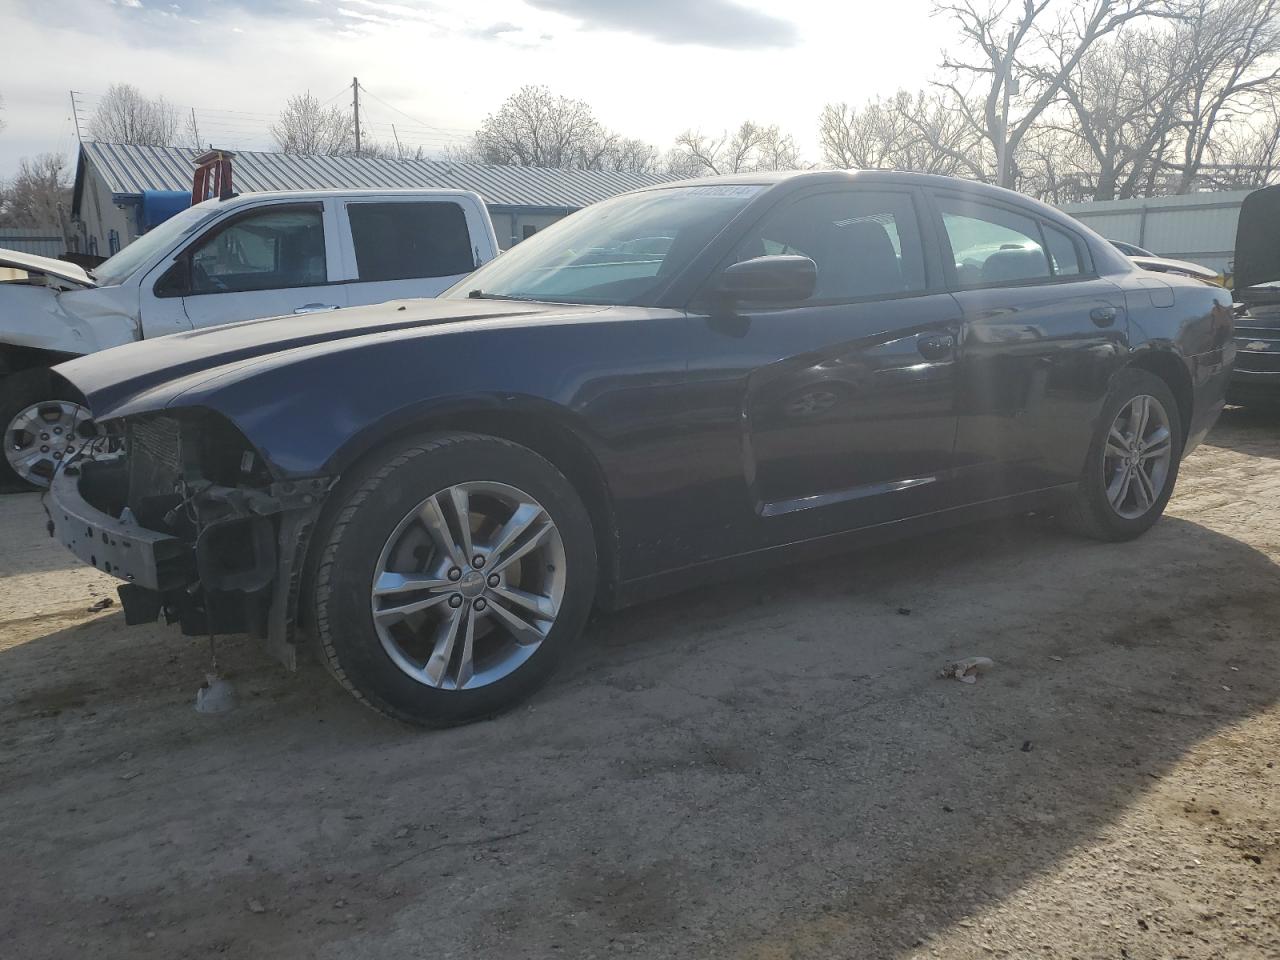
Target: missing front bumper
{"points": [[241, 574]]}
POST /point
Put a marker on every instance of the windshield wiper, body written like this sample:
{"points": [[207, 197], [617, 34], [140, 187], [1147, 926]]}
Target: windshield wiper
{"points": [[478, 294]]}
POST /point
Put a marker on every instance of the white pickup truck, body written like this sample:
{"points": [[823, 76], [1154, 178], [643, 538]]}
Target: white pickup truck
{"points": [[248, 256]]}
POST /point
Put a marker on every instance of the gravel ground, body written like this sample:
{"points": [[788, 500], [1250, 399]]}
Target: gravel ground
{"points": [[768, 769]]}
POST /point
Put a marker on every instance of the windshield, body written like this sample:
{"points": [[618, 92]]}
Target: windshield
{"points": [[621, 251], [156, 241]]}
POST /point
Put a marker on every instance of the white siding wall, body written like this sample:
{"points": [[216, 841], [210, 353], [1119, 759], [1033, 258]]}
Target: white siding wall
{"points": [[99, 216]]}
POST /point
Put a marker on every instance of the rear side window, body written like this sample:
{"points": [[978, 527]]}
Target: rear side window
{"points": [[992, 245], [1064, 252], [408, 240], [865, 243]]}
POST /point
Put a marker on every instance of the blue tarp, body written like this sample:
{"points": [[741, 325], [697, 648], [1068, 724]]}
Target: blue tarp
{"points": [[159, 205]]}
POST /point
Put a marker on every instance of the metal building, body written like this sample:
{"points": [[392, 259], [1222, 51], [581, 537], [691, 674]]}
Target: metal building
{"points": [[1200, 227], [120, 189]]}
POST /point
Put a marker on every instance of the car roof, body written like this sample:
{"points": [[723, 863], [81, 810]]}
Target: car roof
{"points": [[241, 199], [1107, 259], [776, 178]]}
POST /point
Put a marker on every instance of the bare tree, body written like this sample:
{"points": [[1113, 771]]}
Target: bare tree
{"points": [[306, 126], [1021, 54], [749, 147], [1247, 153], [124, 115], [1124, 105], [728, 153], [1231, 51], [191, 131], [1054, 165], [38, 195], [903, 132], [630, 155], [466, 152], [778, 151], [537, 128]]}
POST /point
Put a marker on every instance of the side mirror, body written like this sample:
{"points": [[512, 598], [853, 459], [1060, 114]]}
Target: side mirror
{"points": [[777, 279]]}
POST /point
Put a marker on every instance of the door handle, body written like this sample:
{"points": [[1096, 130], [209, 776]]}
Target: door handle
{"points": [[940, 346], [315, 307], [1103, 316]]}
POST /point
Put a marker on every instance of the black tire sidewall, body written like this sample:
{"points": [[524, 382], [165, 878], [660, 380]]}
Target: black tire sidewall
{"points": [[382, 498], [1129, 384], [17, 392]]}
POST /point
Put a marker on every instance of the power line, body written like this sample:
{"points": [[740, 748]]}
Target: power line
{"points": [[413, 118]]}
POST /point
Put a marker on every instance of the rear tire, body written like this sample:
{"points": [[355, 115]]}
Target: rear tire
{"points": [[434, 632], [1105, 506]]}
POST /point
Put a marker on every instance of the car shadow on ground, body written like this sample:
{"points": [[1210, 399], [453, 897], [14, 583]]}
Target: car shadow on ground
{"points": [[1248, 430], [769, 768]]}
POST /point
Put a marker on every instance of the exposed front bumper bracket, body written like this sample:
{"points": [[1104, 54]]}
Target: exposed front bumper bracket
{"points": [[156, 561]]}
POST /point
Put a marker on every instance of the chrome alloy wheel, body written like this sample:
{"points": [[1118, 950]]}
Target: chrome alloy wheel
{"points": [[468, 585], [1137, 457], [40, 437]]}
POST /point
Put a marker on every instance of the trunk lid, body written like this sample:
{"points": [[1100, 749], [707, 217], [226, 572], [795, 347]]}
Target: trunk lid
{"points": [[1257, 261]]}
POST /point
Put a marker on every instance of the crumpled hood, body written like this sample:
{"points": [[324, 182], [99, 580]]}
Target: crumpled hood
{"points": [[62, 269], [111, 378], [1258, 239]]}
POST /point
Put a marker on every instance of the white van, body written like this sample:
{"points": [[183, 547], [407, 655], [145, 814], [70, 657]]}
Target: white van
{"points": [[249, 256]]}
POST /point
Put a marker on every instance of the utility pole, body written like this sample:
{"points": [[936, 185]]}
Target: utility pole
{"points": [[195, 128], [76, 114], [355, 109], [399, 152]]}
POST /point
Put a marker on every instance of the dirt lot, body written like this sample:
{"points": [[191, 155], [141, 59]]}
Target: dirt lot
{"points": [[770, 769]]}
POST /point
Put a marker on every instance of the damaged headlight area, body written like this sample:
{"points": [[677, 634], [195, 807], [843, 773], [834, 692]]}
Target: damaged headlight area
{"points": [[197, 524]]}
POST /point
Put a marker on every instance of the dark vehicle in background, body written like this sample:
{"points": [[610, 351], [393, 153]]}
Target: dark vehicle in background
{"points": [[1158, 264], [441, 490], [1256, 287]]}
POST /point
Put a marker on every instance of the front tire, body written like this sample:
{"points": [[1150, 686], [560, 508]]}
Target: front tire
{"points": [[456, 573], [39, 424], [1132, 463]]}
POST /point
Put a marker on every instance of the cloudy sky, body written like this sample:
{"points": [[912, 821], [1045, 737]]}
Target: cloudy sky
{"points": [[435, 68]]}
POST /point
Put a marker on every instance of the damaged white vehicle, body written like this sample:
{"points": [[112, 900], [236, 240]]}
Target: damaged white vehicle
{"points": [[245, 257]]}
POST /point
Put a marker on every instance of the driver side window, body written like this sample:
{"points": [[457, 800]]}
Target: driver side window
{"points": [[272, 249], [866, 243]]}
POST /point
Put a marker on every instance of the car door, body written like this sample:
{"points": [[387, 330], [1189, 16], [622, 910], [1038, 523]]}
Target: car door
{"points": [[271, 260], [1041, 337], [847, 399], [406, 247]]}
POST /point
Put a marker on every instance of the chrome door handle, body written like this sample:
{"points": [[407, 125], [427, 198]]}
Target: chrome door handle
{"points": [[315, 307], [938, 347]]}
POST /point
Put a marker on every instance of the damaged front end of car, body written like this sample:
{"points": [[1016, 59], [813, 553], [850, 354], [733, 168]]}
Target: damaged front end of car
{"points": [[195, 522]]}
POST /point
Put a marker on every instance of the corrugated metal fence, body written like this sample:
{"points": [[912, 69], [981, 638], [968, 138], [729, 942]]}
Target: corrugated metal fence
{"points": [[42, 241], [1200, 227]]}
